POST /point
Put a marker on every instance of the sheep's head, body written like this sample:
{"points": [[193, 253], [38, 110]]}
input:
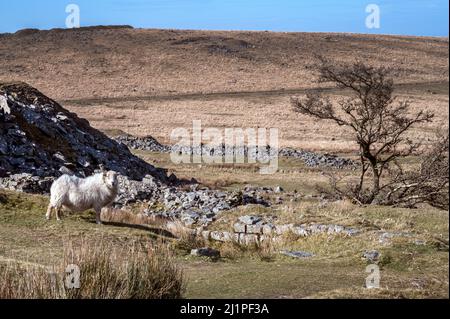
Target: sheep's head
{"points": [[110, 179]]}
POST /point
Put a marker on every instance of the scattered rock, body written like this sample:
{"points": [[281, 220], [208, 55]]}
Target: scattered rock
{"points": [[4, 107], [221, 236], [199, 206], [350, 231], [420, 242], [254, 229], [249, 220], [299, 230], [40, 141], [386, 237], [27, 183], [205, 252], [371, 256], [239, 228], [282, 229], [279, 189], [297, 254]]}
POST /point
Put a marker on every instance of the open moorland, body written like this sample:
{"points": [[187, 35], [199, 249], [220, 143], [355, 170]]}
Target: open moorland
{"points": [[148, 82]]}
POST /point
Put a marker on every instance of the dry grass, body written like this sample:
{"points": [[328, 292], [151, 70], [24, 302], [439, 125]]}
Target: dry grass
{"points": [[265, 251], [106, 272], [186, 238], [408, 269], [125, 62], [173, 232], [159, 118], [129, 217]]}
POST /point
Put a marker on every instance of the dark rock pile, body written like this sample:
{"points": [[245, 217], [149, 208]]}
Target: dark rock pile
{"points": [[206, 252], [40, 140], [147, 143], [312, 159]]}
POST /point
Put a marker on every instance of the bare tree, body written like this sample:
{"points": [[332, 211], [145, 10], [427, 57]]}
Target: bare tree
{"points": [[378, 120]]}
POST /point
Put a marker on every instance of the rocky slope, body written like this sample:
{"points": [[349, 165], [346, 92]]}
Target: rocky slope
{"points": [[40, 140]]}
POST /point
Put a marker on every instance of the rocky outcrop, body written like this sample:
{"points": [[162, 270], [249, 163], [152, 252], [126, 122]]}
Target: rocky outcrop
{"points": [[40, 140]]}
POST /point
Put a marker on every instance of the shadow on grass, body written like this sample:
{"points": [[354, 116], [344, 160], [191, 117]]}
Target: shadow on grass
{"points": [[3, 199], [155, 231]]}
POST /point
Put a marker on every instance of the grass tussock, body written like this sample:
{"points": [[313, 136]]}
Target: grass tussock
{"points": [[265, 250], [187, 239], [106, 272]]}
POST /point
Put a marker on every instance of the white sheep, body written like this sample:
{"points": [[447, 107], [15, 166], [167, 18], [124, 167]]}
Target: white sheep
{"points": [[81, 194]]}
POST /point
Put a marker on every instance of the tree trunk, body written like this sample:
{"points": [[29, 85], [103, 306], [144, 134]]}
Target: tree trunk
{"points": [[376, 184], [376, 174]]}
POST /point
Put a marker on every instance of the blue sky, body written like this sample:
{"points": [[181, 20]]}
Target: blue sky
{"points": [[408, 17]]}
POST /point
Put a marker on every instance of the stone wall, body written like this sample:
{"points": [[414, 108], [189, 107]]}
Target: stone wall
{"points": [[254, 229]]}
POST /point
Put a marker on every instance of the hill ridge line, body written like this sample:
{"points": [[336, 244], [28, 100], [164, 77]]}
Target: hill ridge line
{"points": [[232, 94]]}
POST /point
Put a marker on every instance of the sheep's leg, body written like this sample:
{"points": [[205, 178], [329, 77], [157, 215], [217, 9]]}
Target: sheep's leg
{"points": [[98, 212], [57, 211], [49, 212]]}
